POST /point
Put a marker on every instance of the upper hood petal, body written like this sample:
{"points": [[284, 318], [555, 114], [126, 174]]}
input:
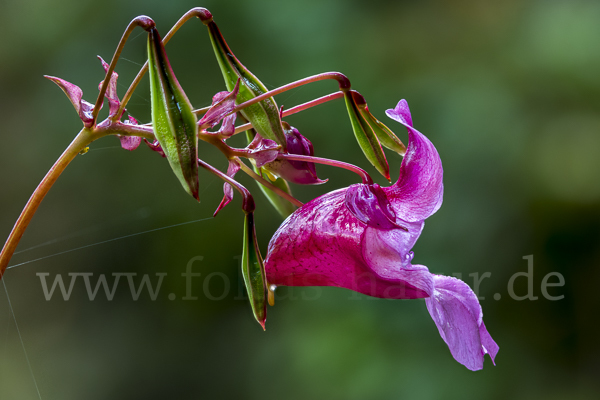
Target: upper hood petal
{"points": [[418, 193]]}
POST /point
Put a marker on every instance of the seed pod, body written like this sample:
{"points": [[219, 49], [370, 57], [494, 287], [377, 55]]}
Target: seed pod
{"points": [[383, 133], [253, 271], [173, 121], [263, 115], [366, 137]]}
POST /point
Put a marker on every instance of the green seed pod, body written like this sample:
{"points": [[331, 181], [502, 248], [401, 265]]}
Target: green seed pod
{"points": [[253, 270], [263, 115], [383, 133], [173, 121], [366, 137]]}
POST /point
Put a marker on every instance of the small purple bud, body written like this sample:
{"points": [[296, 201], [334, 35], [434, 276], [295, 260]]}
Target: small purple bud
{"points": [[223, 103], [75, 95], [130, 142], [265, 152], [111, 90], [155, 146], [300, 172], [232, 169]]}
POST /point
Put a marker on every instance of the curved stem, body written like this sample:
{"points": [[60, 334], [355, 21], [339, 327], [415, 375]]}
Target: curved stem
{"points": [[144, 22], [194, 12], [268, 184], [201, 111], [298, 108], [81, 141], [344, 84], [366, 178], [218, 142], [248, 201], [108, 127]]}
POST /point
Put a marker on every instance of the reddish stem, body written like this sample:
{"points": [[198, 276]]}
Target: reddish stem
{"points": [[146, 23], [268, 184], [366, 178], [298, 108], [83, 139], [199, 12], [344, 84], [248, 201]]}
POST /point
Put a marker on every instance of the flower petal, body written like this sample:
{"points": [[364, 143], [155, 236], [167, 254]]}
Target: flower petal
{"points": [[369, 204], [155, 146], [265, 152], [130, 142], [401, 113], [111, 90], [232, 169], [418, 193], [324, 244], [75, 95], [222, 104], [457, 314]]}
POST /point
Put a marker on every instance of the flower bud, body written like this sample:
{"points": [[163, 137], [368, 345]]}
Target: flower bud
{"points": [[300, 172], [83, 108]]}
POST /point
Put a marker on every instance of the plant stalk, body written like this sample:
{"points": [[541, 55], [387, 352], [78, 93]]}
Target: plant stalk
{"points": [[366, 178], [266, 183], [194, 12], [248, 201], [344, 84], [298, 108], [144, 22], [81, 141]]}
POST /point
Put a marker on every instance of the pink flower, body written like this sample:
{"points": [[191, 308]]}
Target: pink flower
{"points": [[360, 238]]}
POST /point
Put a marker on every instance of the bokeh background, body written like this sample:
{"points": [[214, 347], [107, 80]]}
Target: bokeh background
{"points": [[509, 92]]}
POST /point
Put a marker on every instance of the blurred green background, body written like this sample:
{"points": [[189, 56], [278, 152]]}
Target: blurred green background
{"points": [[509, 92]]}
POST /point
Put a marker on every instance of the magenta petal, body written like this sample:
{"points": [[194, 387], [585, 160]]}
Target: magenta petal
{"points": [[130, 142], [111, 90], [228, 126], [223, 103], [457, 314], [418, 193], [232, 169], [265, 152], [369, 204], [155, 146], [388, 255], [401, 113], [324, 244], [86, 110], [75, 94]]}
